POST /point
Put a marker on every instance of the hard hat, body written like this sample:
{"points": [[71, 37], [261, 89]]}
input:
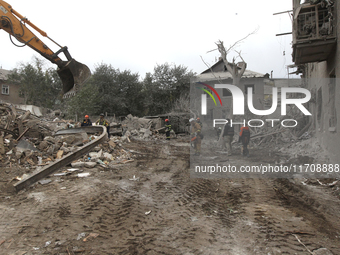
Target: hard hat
{"points": [[166, 120], [102, 114], [198, 118], [86, 116], [192, 119]]}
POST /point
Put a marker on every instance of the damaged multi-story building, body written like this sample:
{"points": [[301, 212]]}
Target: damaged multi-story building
{"points": [[9, 91], [316, 53]]}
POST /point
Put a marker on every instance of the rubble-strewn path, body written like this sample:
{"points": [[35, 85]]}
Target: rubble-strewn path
{"points": [[152, 206]]}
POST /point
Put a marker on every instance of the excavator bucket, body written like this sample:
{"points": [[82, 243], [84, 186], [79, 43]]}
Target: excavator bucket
{"points": [[73, 75]]}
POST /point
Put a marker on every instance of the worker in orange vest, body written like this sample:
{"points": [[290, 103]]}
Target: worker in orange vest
{"points": [[86, 122], [244, 138], [167, 129]]}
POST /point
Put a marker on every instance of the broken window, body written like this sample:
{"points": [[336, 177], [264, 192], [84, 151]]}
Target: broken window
{"points": [[5, 89]]}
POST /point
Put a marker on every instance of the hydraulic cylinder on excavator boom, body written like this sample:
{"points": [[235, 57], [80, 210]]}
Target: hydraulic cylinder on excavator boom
{"points": [[72, 73]]}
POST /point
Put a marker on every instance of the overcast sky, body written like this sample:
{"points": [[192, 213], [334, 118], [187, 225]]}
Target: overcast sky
{"points": [[137, 35]]}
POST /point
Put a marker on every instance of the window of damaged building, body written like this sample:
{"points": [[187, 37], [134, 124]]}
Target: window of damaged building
{"points": [[5, 89]]}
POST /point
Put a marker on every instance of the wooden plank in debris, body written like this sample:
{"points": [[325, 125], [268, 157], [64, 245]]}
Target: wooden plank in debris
{"points": [[20, 120], [60, 154], [14, 111], [2, 147], [59, 163], [25, 116], [22, 134], [20, 127]]}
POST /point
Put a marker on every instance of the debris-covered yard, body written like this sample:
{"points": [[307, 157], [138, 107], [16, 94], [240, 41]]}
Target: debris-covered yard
{"points": [[132, 194]]}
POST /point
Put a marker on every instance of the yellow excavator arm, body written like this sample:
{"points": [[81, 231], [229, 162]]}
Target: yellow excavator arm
{"points": [[72, 73]]}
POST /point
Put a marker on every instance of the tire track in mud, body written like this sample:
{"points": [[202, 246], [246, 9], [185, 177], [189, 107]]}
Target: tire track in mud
{"points": [[272, 225], [187, 216], [265, 212]]}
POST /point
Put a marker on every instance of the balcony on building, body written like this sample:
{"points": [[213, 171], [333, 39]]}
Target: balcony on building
{"points": [[314, 34]]}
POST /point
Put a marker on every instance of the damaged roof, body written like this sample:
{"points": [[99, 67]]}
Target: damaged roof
{"points": [[219, 71], [4, 74], [227, 75]]}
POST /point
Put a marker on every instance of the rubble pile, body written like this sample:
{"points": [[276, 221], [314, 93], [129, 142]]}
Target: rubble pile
{"points": [[106, 155], [16, 124], [142, 128], [132, 123], [30, 144], [307, 147], [278, 133], [30, 141], [34, 153]]}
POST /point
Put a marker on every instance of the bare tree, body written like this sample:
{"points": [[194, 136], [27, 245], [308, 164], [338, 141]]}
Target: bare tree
{"points": [[236, 70], [232, 67]]}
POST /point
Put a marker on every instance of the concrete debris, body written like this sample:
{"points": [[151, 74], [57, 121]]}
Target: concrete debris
{"points": [[151, 128], [90, 164], [45, 181], [83, 174], [305, 148], [32, 141], [78, 164], [322, 251], [39, 147], [25, 145]]}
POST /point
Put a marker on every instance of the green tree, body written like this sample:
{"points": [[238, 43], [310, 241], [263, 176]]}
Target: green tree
{"points": [[165, 87], [39, 86], [84, 102], [109, 90]]}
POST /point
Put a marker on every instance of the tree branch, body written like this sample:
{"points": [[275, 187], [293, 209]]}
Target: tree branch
{"points": [[217, 78]]}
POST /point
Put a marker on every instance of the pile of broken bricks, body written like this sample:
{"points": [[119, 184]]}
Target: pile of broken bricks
{"points": [[106, 155], [40, 153]]}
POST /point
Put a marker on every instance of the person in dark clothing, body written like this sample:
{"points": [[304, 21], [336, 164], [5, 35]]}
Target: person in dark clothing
{"points": [[167, 129], [244, 138], [218, 132], [104, 122], [86, 122], [228, 135]]}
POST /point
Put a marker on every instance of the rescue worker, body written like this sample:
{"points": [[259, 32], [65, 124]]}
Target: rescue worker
{"points": [[218, 132], [167, 129], [228, 135], [86, 122], [196, 136], [198, 120], [244, 138], [104, 122]]}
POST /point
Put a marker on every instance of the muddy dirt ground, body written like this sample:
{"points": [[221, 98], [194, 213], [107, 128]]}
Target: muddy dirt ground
{"points": [[152, 206]]}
